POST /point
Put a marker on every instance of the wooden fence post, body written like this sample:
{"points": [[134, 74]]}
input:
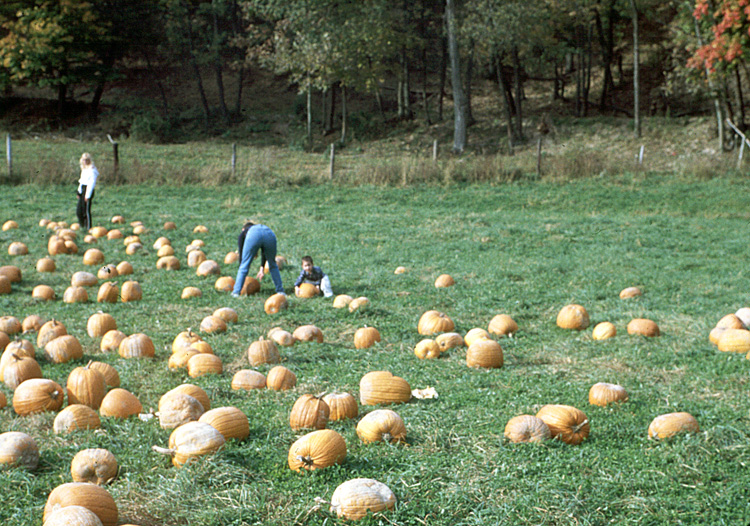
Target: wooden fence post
{"points": [[115, 155], [333, 161], [434, 150], [9, 156]]}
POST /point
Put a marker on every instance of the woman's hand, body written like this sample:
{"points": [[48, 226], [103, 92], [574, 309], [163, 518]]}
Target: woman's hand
{"points": [[261, 273]]}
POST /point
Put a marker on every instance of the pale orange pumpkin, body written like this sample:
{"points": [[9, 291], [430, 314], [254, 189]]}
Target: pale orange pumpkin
{"points": [[18, 449], [224, 284], [63, 349], [449, 340], [191, 292], [73, 515], [45, 265], [131, 291], [382, 387], [604, 331], [381, 425], [341, 301], [263, 351], [281, 337], [74, 417], [18, 369], [308, 333], [107, 272], [573, 316], [93, 256], [38, 395], [86, 386], [43, 293], [89, 496], [734, 340], [196, 257], [526, 428], [444, 280], [208, 267], [191, 441], [275, 303], [111, 376], [671, 424], [83, 279], [317, 450], [603, 393], [124, 268], [341, 406], [99, 324], [178, 408], [484, 353], [167, 262], [366, 337], [280, 378], [108, 292], [204, 363], [502, 325], [360, 303], [630, 292], [730, 321], [137, 345], [248, 379], [309, 412], [354, 498], [49, 331], [32, 323], [10, 325], [433, 322], [229, 421], [427, 349], [120, 403], [644, 327], [111, 340], [213, 325], [196, 392], [75, 295], [94, 465]]}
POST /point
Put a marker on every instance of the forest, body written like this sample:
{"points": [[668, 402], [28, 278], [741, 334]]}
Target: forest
{"points": [[405, 59]]}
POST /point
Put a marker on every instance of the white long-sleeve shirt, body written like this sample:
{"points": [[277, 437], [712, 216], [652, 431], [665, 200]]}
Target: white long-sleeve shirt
{"points": [[88, 178]]}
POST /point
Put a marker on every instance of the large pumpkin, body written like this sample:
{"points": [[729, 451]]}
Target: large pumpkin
{"points": [[433, 322], [76, 416], [309, 412], [341, 405], [484, 353], [382, 387], [263, 351], [86, 386], [90, 496], [137, 346], [231, 422], [308, 333], [63, 349], [354, 498], [94, 465], [176, 409], [18, 449], [120, 403], [671, 424], [381, 425], [565, 422], [100, 324], [317, 450], [192, 440], [37, 395], [604, 331], [603, 394], [526, 428], [573, 316]]}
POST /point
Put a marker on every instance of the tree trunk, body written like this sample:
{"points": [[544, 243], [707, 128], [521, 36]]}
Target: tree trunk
{"points": [[443, 75], [406, 87], [467, 83], [740, 99], [331, 113], [196, 69], [518, 85], [606, 43], [238, 101], [459, 102], [587, 74], [636, 73], [218, 68], [425, 105], [309, 113], [343, 114], [159, 85], [507, 103]]}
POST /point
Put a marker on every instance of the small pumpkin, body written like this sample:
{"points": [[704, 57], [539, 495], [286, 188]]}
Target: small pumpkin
{"points": [[308, 333], [275, 303], [280, 378], [107, 272], [43, 293], [317, 450], [124, 268], [10, 325], [228, 314], [185, 339], [734, 340], [95, 465], [5, 286], [176, 409], [32, 323], [449, 340], [360, 303], [18, 449], [644, 327], [366, 337], [526, 428], [604, 331], [354, 498], [99, 324], [573, 317], [281, 337], [484, 353], [90, 496], [213, 325], [204, 363], [565, 422], [231, 257], [603, 393], [427, 349], [49, 331], [93, 256], [76, 416], [208, 267], [433, 322], [306, 290], [248, 379], [263, 351], [671, 424], [731, 321], [131, 291], [341, 406], [224, 284], [170, 225], [108, 292], [190, 292], [167, 263], [382, 387], [63, 349], [309, 412], [444, 280], [630, 292], [229, 421], [180, 359], [195, 258], [341, 301], [46, 265], [502, 325], [75, 295], [19, 369], [17, 248], [12, 272], [83, 279], [111, 340], [114, 234], [120, 403], [381, 425], [137, 345]]}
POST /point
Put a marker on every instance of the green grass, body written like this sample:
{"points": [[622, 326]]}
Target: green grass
{"points": [[525, 249]]}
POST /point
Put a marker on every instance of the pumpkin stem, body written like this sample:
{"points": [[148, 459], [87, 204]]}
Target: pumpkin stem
{"points": [[164, 450], [580, 426], [387, 437], [307, 461]]}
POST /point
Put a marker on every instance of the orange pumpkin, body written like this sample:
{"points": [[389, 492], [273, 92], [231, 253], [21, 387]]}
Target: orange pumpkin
{"points": [[565, 422]]}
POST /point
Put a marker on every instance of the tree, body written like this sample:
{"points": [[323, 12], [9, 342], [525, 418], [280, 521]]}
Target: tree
{"points": [[460, 122]]}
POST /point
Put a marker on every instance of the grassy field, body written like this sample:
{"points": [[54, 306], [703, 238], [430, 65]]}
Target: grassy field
{"points": [[524, 249]]}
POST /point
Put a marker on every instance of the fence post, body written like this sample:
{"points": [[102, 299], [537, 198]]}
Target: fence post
{"points": [[333, 161], [115, 155], [234, 159], [434, 150], [9, 156]]}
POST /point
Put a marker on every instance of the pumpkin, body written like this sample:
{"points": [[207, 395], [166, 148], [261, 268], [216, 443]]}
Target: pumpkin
{"points": [[107, 272], [484, 353], [124, 268], [381, 425], [4, 340], [734, 340], [93, 256], [75, 295], [250, 287], [43, 293], [356, 497], [108, 292], [83, 279], [366, 337], [139, 229], [45, 265], [643, 327], [99, 324], [5, 286], [111, 340], [17, 248], [179, 359], [10, 325], [224, 284], [176, 409], [207, 268], [360, 303], [730, 321], [185, 338], [427, 349], [213, 324], [603, 393], [573, 316], [228, 314], [630, 292], [604, 330], [248, 379], [3, 400], [56, 245], [94, 465], [449, 340], [231, 257], [98, 231], [136, 346], [120, 403], [194, 391], [671, 424], [71, 247], [111, 376], [18, 449], [204, 363], [317, 450], [341, 406], [444, 280], [160, 242], [114, 234], [400, 270], [195, 258], [263, 351], [14, 351], [308, 333], [131, 291], [73, 516], [565, 422], [229, 421], [502, 325], [341, 301], [280, 378], [191, 292], [309, 412], [526, 428], [281, 337], [170, 225], [76, 416], [275, 303], [12, 272], [743, 313], [90, 496], [9, 225], [32, 323], [63, 349], [49, 331], [433, 322], [306, 290], [200, 229], [382, 387], [86, 386], [167, 262], [19, 369], [193, 440]]}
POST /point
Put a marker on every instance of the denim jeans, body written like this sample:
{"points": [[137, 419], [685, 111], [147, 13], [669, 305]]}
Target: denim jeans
{"points": [[258, 237]]}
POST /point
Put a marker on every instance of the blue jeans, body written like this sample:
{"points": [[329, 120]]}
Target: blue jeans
{"points": [[258, 237]]}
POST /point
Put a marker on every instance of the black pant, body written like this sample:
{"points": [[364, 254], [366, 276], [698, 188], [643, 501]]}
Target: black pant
{"points": [[83, 210]]}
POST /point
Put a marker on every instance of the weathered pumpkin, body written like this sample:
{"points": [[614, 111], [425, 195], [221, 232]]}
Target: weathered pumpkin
{"points": [[196, 392], [731, 321], [309, 412], [32, 323], [231, 257], [120, 403], [213, 325], [176, 409], [185, 339], [10, 325], [208, 267], [74, 417], [190, 292], [114, 234], [231, 422], [95, 465], [18, 248], [671, 424], [19, 369], [12, 272], [90, 496], [204, 363], [434, 322], [111, 376], [382, 387], [341, 301], [107, 272], [18, 450], [75, 295], [484, 353], [73, 516], [5, 286], [502, 325], [263, 351], [427, 349], [111, 340], [93, 256], [342, 406], [131, 291], [83, 279], [526, 428], [317, 450], [43, 293], [63, 349], [360, 303], [604, 331], [86, 386], [281, 337], [381, 425], [45, 265], [565, 422], [168, 263], [308, 333], [137, 346], [124, 268], [743, 313], [734, 340], [366, 337], [248, 379], [603, 393], [280, 378], [356, 497], [195, 258], [49, 331], [275, 303], [224, 284], [573, 317], [108, 292], [191, 441], [99, 324], [180, 359], [630, 292], [644, 327]]}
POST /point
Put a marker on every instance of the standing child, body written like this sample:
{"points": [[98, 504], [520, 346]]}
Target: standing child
{"points": [[315, 275], [86, 184]]}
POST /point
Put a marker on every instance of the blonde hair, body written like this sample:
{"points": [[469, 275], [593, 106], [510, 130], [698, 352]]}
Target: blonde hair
{"points": [[86, 160]]}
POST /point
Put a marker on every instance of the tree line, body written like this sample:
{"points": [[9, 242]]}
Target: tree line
{"points": [[405, 54]]}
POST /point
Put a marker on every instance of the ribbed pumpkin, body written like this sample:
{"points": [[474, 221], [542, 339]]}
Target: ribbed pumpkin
{"points": [[83, 279], [120, 403], [213, 324], [10, 325], [180, 359], [14, 352], [381, 425], [111, 376], [317, 450], [734, 340], [195, 258], [86, 386], [196, 392], [644, 327], [90, 496], [93, 256], [263, 351], [38, 395], [204, 363], [190, 292], [49, 331], [502, 325], [231, 422], [356, 497], [250, 287], [108, 292], [275, 303], [111, 340], [573, 317], [427, 349], [124, 268], [73, 516], [449, 340], [671, 424], [114, 234], [19, 450], [281, 337], [341, 301], [382, 387], [306, 290], [434, 322], [193, 440], [526, 428], [185, 339], [137, 346], [342, 406], [360, 303], [99, 324], [45, 265], [603, 393], [366, 337], [75, 295], [228, 314], [484, 353], [207, 268], [604, 331], [565, 422], [43, 293], [309, 412], [248, 379], [131, 291], [94, 465], [730, 321], [18, 248], [63, 349], [19, 369], [444, 280], [176, 409], [74, 417], [630, 292], [308, 333], [280, 378]]}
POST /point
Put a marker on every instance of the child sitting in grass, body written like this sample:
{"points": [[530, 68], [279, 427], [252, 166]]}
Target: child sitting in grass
{"points": [[314, 275]]}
